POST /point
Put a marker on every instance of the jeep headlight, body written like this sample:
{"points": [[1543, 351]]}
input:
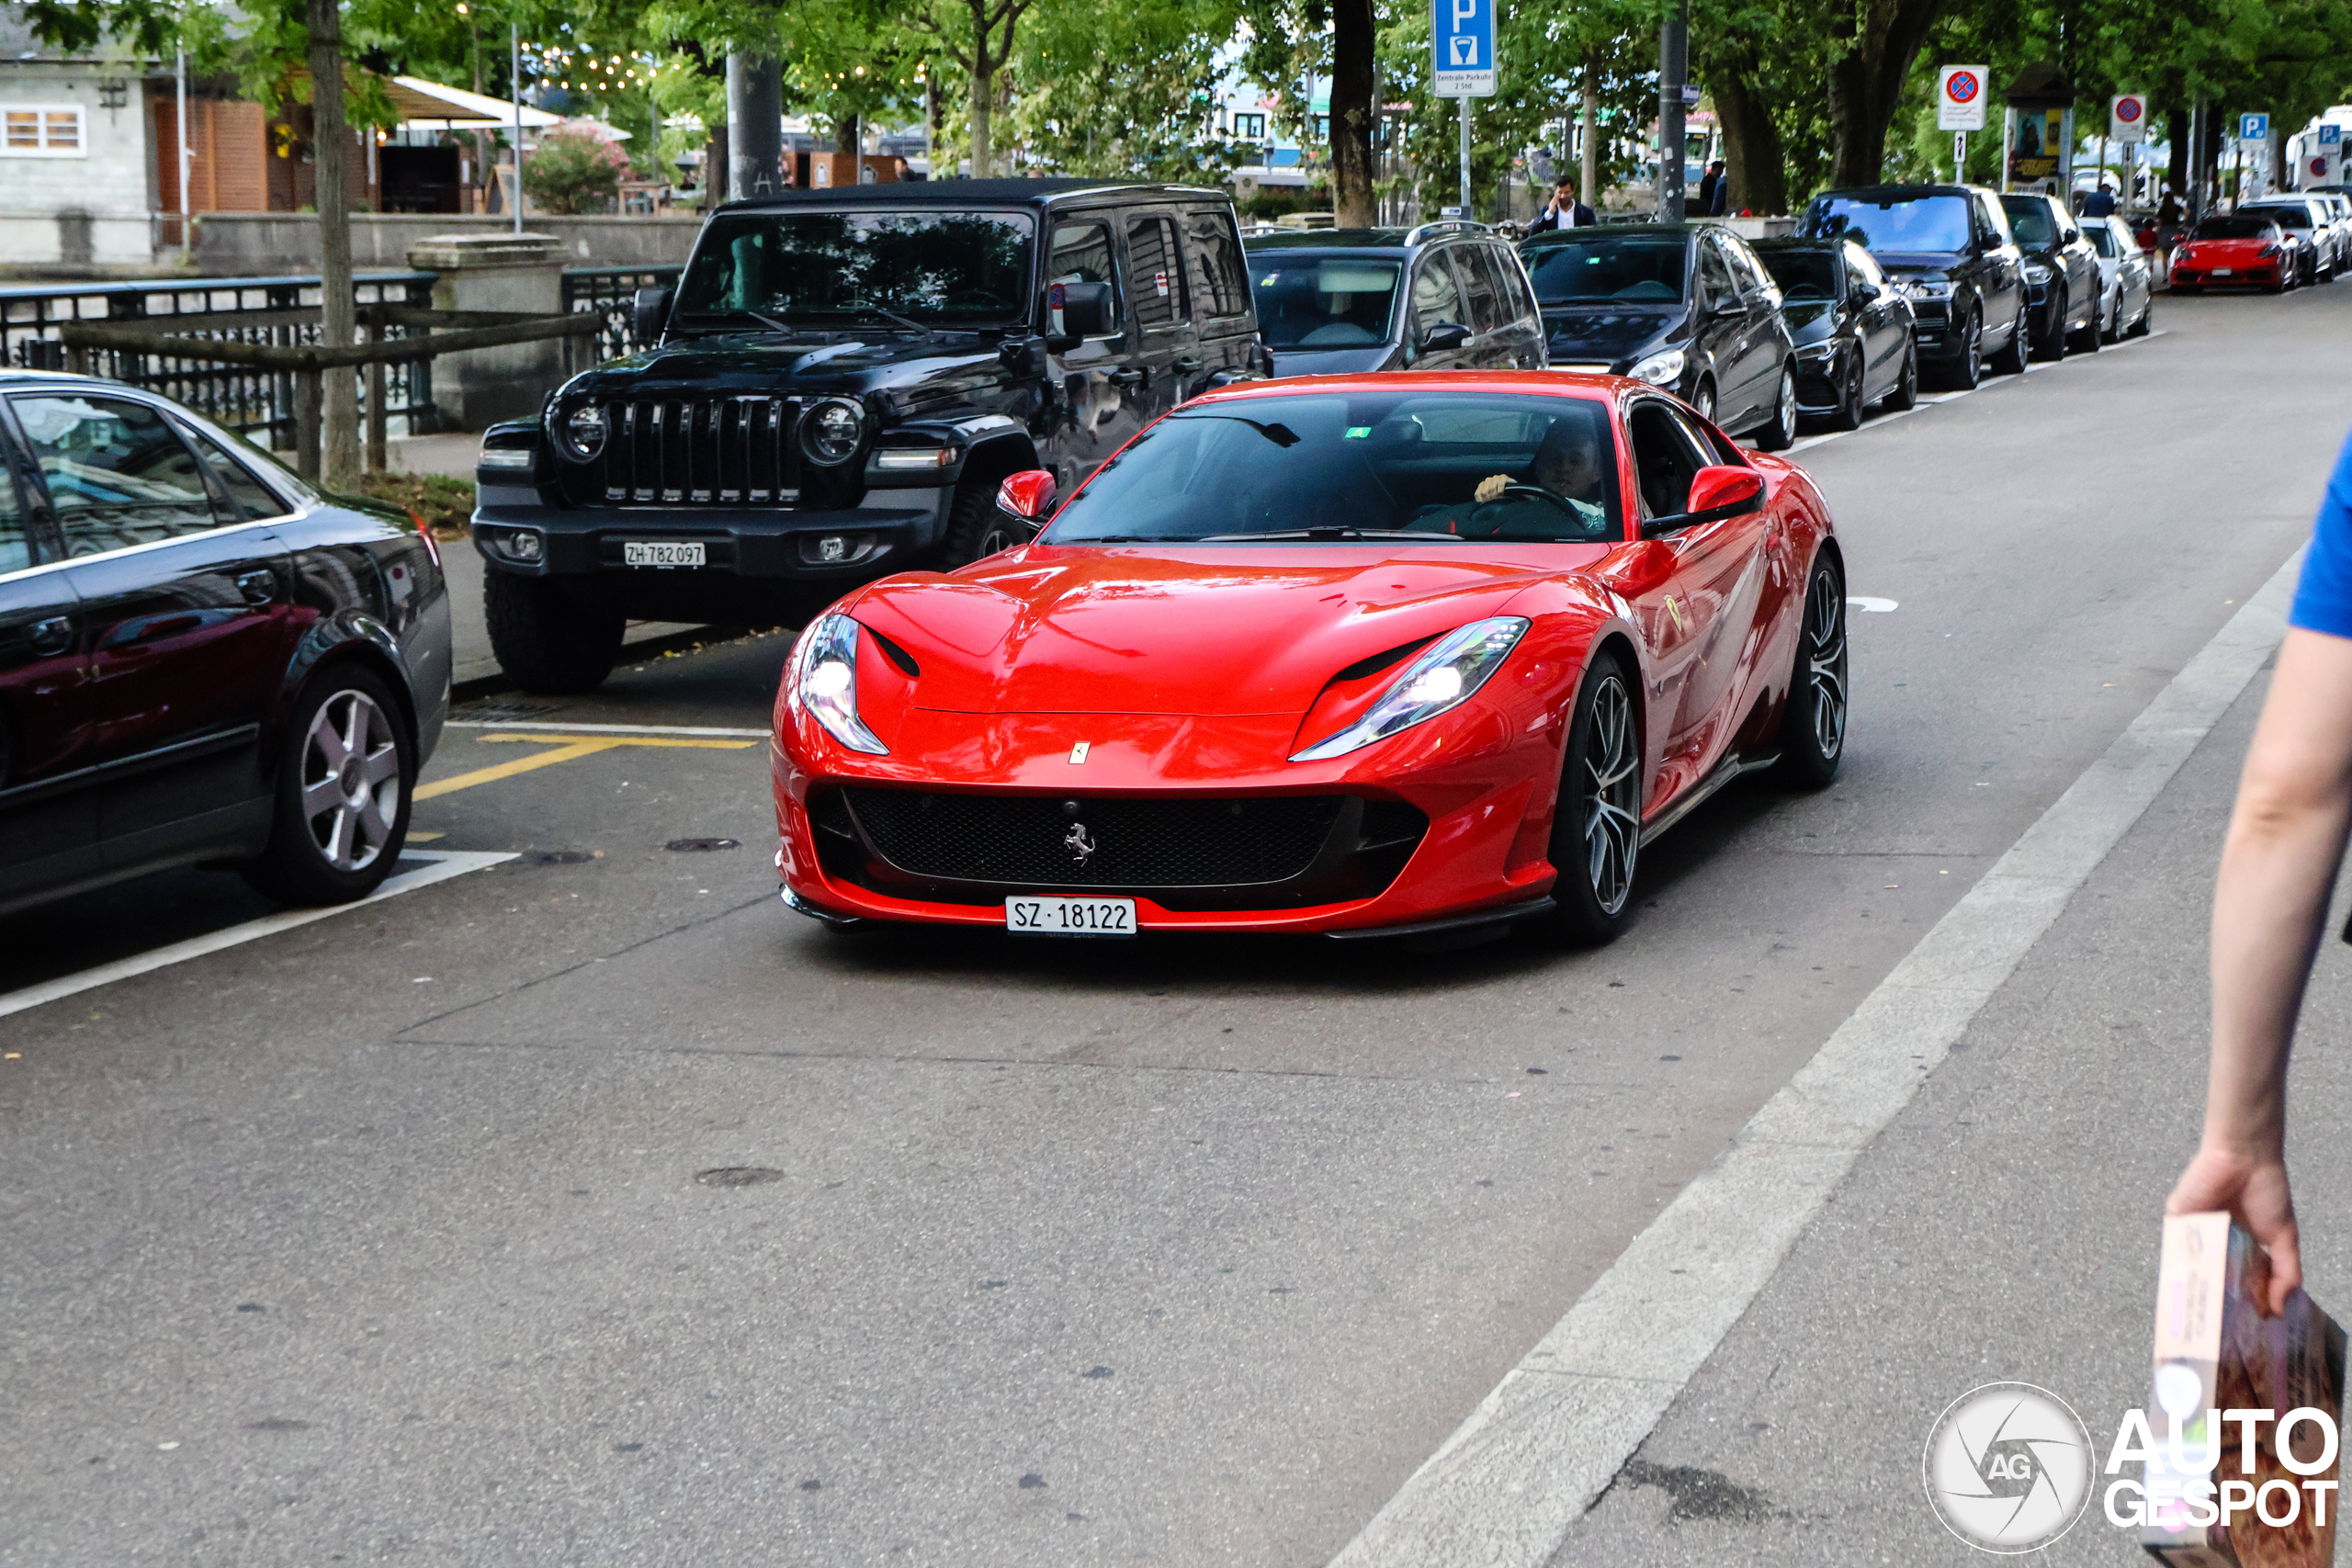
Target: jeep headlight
{"points": [[1444, 677], [831, 432], [583, 432], [1660, 369], [822, 682]]}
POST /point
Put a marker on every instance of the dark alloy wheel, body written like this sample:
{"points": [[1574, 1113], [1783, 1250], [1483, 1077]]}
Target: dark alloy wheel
{"points": [[1703, 397], [976, 526], [2050, 341], [1596, 828], [1848, 414], [2146, 320], [346, 769], [1813, 725], [1907, 386], [547, 641], [2011, 360], [1779, 431], [1967, 367]]}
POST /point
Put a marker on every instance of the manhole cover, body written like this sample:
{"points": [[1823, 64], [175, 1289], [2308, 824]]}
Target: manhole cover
{"points": [[704, 845], [506, 713], [738, 1176], [562, 857]]}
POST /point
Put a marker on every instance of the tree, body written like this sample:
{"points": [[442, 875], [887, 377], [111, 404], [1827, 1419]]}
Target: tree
{"points": [[1129, 94], [977, 34]]}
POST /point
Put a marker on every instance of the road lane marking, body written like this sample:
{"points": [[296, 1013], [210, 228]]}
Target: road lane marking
{"points": [[1504, 1490], [442, 864], [606, 728], [562, 752]]}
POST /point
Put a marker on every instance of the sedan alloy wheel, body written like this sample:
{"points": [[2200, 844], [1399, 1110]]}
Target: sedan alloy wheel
{"points": [[350, 780]]}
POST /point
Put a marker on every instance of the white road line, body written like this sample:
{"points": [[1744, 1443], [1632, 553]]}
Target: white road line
{"points": [[446, 864], [1504, 1489], [608, 728]]}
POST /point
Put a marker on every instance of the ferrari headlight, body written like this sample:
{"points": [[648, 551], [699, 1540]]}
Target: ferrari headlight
{"points": [[823, 682], [1660, 369], [1443, 677]]}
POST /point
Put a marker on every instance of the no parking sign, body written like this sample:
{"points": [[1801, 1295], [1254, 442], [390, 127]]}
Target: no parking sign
{"points": [[1960, 98], [2126, 118]]}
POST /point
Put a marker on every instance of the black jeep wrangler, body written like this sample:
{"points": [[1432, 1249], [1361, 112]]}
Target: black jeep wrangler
{"points": [[841, 382]]}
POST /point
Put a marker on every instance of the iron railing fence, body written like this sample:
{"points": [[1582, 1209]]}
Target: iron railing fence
{"points": [[611, 292], [257, 403]]}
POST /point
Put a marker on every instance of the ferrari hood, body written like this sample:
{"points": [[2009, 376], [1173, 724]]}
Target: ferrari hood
{"points": [[1217, 630]]}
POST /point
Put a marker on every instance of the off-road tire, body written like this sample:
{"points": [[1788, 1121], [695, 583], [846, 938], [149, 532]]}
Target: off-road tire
{"points": [[546, 643]]}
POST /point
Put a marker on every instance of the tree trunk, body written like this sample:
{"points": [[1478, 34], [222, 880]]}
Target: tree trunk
{"points": [[1587, 134], [983, 102], [1753, 158], [331, 150], [1352, 111], [848, 132], [1866, 84]]}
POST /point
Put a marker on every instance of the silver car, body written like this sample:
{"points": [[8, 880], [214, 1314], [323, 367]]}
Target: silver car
{"points": [[2127, 284], [2310, 220]]}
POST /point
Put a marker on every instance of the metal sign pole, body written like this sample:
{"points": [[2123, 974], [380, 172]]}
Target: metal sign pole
{"points": [[514, 41], [1960, 157], [1466, 156]]}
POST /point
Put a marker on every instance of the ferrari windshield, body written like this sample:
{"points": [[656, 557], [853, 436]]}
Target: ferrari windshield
{"points": [[1311, 302], [1440, 467], [861, 267], [1640, 268], [2233, 228]]}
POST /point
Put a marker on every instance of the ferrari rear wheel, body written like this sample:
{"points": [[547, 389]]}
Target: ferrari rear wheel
{"points": [[1812, 724], [1596, 829]]}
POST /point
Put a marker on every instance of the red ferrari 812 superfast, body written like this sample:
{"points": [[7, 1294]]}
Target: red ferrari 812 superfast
{"points": [[1365, 656]]}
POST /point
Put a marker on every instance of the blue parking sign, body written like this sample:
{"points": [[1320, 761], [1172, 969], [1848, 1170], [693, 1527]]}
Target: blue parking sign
{"points": [[2330, 135], [1462, 35], [2253, 127]]}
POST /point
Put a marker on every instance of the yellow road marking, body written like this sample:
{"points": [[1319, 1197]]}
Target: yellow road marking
{"points": [[569, 750]]}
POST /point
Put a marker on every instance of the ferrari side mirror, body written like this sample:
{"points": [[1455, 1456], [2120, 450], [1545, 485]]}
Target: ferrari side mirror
{"points": [[1028, 495]]}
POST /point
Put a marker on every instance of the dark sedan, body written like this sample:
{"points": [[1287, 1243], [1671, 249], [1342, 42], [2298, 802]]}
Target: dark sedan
{"points": [[1851, 326], [1687, 307], [1949, 249], [2062, 283], [202, 660]]}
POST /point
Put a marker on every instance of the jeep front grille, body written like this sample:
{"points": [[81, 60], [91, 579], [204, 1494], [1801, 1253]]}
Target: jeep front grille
{"points": [[733, 451]]}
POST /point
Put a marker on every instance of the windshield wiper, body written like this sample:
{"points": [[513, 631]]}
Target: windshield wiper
{"points": [[907, 321], [1414, 534]]}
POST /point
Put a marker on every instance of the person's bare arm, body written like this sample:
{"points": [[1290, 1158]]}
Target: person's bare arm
{"points": [[2285, 839]]}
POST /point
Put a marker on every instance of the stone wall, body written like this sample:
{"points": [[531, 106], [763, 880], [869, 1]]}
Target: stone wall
{"points": [[253, 244], [82, 212]]}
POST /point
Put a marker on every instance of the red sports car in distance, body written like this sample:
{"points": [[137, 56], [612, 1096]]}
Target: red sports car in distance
{"points": [[1374, 655], [2235, 250]]}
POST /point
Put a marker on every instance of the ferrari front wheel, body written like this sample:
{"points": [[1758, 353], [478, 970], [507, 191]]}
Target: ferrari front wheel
{"points": [[1813, 721], [1596, 829]]}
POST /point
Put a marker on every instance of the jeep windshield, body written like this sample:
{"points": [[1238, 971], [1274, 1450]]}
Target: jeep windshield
{"points": [[839, 269], [1439, 468]]}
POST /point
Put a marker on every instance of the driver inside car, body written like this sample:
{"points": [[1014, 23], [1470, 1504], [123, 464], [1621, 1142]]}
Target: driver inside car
{"points": [[1566, 468]]}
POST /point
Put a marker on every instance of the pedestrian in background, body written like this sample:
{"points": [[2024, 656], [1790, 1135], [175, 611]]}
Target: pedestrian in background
{"points": [[1718, 202], [1565, 211], [2279, 866], [2100, 203], [1707, 184]]}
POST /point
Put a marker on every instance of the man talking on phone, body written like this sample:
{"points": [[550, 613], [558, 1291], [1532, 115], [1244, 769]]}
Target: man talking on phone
{"points": [[1564, 210]]}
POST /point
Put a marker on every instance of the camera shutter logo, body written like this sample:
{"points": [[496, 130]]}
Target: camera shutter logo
{"points": [[2008, 1467]]}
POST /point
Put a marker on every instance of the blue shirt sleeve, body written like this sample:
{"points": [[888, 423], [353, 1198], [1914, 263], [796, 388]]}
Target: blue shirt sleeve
{"points": [[2323, 597]]}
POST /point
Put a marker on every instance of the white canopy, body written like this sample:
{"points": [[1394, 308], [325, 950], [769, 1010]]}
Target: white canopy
{"points": [[429, 105]]}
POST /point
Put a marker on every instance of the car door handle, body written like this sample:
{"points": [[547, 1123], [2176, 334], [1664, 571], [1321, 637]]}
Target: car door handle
{"points": [[1137, 377], [258, 586], [52, 635], [1188, 366]]}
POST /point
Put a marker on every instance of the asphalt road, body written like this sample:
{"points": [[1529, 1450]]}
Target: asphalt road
{"points": [[400, 1235]]}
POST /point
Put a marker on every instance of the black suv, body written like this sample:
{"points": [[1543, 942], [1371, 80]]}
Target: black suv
{"points": [[1949, 249], [2061, 283], [840, 381], [1446, 295], [1688, 307]]}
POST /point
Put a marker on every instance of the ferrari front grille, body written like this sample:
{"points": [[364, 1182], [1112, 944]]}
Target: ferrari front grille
{"points": [[1039, 842]]}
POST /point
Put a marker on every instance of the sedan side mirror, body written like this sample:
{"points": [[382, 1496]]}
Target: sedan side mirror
{"points": [[1717, 491], [649, 315], [1444, 336], [1028, 495]]}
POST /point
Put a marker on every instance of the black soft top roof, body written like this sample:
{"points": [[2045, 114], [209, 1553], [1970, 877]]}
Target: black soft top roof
{"points": [[966, 193]]}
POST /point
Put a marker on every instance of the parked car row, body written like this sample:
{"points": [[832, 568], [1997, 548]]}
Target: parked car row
{"points": [[2274, 243]]}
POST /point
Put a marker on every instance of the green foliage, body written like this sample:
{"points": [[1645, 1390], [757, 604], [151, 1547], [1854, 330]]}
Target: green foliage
{"points": [[574, 172], [1129, 93]]}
